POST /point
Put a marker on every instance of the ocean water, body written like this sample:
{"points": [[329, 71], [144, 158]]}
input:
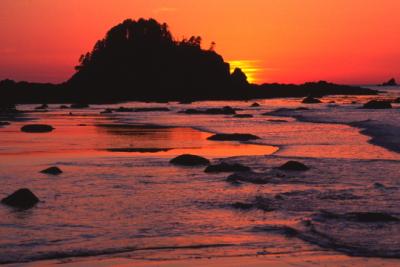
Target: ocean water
{"points": [[112, 199]]}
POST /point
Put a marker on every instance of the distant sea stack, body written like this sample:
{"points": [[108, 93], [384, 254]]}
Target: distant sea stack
{"points": [[141, 61], [391, 82]]}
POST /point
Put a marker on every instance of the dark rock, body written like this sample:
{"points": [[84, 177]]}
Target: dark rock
{"points": [[302, 108], [242, 206], [397, 100], [243, 116], [294, 166], [212, 111], [377, 104], [64, 107], [52, 171], [311, 100], [4, 123], [138, 150], [277, 120], [22, 198], [189, 160], [372, 217], [226, 167], [391, 82], [255, 105], [151, 109], [79, 105], [233, 137], [37, 128], [43, 106], [366, 217]]}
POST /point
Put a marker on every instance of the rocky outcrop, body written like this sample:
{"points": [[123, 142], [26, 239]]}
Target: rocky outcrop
{"points": [[190, 160], [293, 166], [233, 137], [377, 104], [22, 199], [37, 128]]}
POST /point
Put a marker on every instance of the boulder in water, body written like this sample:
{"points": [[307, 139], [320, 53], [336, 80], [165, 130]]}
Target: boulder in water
{"points": [[311, 100], [377, 104], [293, 166], [211, 111], [37, 128], [189, 160], [233, 137], [52, 171], [22, 199], [243, 116]]}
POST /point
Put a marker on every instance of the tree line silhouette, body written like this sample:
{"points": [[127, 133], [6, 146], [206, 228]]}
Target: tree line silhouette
{"points": [[141, 60]]}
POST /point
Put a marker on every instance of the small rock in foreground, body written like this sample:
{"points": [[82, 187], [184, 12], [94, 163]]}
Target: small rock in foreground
{"points": [[52, 170], [22, 198], [37, 128], [189, 160], [294, 166]]}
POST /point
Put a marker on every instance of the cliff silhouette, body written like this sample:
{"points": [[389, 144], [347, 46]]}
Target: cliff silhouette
{"points": [[141, 60]]}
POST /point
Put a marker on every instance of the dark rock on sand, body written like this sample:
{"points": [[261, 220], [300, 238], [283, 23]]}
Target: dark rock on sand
{"points": [[366, 217], [211, 111], [311, 100], [152, 109], [226, 167], [4, 123], [37, 128], [372, 217], [293, 166], [377, 104], [255, 105], [243, 116], [22, 198], [138, 150], [190, 160], [233, 137], [52, 171], [277, 120], [79, 105], [391, 82]]}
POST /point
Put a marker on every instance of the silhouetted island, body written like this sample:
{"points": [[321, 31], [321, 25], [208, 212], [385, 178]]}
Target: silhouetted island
{"points": [[391, 82], [140, 60]]}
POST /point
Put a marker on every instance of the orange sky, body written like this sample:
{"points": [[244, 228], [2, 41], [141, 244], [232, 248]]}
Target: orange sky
{"points": [[345, 41]]}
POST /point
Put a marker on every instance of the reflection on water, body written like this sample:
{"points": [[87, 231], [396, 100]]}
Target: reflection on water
{"points": [[174, 141], [119, 193]]}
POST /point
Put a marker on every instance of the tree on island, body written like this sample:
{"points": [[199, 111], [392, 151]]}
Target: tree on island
{"points": [[141, 60]]}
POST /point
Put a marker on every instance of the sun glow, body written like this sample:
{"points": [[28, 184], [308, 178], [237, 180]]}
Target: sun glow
{"points": [[249, 67]]}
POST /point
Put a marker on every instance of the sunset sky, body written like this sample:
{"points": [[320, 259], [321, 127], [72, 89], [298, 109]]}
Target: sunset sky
{"points": [[290, 41]]}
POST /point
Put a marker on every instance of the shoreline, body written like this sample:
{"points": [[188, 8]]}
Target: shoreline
{"points": [[279, 260]]}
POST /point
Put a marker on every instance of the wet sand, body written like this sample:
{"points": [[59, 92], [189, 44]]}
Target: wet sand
{"points": [[120, 203]]}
